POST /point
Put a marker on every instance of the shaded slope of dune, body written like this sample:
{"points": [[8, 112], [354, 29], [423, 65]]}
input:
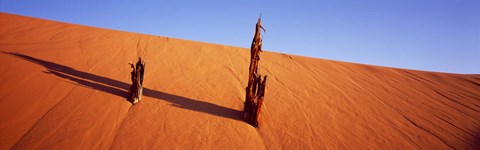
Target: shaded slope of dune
{"points": [[64, 86]]}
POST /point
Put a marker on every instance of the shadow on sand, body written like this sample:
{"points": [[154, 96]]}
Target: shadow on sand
{"points": [[120, 88]]}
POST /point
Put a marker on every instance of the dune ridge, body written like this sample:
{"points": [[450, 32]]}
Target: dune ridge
{"points": [[64, 86]]}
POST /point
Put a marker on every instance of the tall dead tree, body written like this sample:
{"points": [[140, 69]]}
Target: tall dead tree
{"points": [[255, 89], [136, 90]]}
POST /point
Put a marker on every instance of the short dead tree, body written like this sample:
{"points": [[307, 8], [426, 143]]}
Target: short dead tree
{"points": [[255, 89], [136, 90]]}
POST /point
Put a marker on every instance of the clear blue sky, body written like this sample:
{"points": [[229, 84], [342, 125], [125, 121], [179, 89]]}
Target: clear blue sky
{"points": [[434, 35]]}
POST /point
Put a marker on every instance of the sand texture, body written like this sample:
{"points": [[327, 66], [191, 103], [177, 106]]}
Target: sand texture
{"points": [[64, 86]]}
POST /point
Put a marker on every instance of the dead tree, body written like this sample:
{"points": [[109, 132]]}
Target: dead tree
{"points": [[136, 90], [255, 89]]}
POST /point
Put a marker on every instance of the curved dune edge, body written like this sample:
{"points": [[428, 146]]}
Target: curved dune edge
{"points": [[64, 86]]}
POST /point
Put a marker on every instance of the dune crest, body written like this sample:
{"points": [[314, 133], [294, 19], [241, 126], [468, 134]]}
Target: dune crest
{"points": [[65, 86]]}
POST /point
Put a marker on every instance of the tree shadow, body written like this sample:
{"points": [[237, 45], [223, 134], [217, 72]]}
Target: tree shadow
{"points": [[121, 89]]}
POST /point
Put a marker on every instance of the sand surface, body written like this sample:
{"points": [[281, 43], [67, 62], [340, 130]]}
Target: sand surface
{"points": [[64, 86]]}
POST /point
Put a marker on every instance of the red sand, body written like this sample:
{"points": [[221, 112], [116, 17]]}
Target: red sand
{"points": [[64, 86]]}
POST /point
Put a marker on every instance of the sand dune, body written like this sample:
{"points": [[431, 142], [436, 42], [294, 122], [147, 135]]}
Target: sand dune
{"points": [[64, 86]]}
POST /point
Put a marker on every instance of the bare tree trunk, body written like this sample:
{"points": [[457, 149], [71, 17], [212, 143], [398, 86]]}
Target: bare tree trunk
{"points": [[255, 89], [136, 90]]}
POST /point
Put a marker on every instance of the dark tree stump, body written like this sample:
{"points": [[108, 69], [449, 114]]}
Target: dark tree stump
{"points": [[255, 89], [136, 90]]}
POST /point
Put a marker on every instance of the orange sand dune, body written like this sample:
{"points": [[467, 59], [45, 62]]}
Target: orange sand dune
{"points": [[64, 86]]}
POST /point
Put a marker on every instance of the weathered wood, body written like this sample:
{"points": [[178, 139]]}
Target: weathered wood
{"points": [[255, 89], [137, 74]]}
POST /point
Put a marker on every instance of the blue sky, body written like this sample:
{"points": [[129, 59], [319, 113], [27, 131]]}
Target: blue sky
{"points": [[433, 35]]}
